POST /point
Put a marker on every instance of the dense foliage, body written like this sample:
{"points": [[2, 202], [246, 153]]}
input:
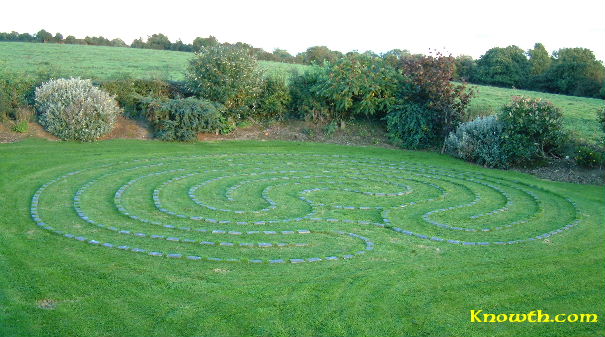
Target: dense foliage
{"points": [[479, 141], [130, 93], [428, 87], [74, 109], [273, 100], [306, 102], [507, 67], [226, 75], [16, 92], [182, 119], [532, 130], [359, 85]]}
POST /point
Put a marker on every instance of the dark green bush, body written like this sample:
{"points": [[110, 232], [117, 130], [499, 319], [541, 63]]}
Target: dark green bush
{"points": [[411, 126], [479, 141], [590, 157], [359, 85], [532, 130], [182, 119], [306, 102], [130, 93], [16, 92], [227, 75], [273, 100]]}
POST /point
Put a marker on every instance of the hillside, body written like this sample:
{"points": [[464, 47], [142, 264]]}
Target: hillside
{"points": [[109, 62]]}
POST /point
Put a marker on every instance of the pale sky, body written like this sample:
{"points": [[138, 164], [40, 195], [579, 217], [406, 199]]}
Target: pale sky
{"points": [[457, 27]]}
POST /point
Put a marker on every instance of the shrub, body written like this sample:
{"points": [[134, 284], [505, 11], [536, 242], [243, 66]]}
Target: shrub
{"points": [[130, 93], [411, 126], [274, 99], [227, 75], [182, 119], [532, 130], [359, 85], [16, 92], [589, 157], [479, 141], [74, 109], [21, 127], [428, 83], [306, 102]]}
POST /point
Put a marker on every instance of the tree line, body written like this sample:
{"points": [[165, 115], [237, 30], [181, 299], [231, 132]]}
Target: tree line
{"points": [[569, 71]]}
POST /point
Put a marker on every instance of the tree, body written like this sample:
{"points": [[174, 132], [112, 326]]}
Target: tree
{"points": [[507, 67], [282, 55], [137, 43], [539, 59], [118, 43], [575, 71], [465, 68], [158, 41], [43, 36], [395, 55], [319, 55], [204, 42], [58, 38]]}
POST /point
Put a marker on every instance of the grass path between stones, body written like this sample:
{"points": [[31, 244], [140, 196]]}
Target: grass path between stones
{"points": [[136, 238]]}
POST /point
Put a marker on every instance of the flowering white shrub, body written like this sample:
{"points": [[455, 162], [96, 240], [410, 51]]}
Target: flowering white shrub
{"points": [[74, 109]]}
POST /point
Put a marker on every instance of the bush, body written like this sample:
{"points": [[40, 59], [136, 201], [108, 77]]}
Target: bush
{"points": [[306, 102], [532, 130], [479, 141], [428, 83], [411, 126], [21, 127], [74, 109], [227, 75], [16, 92], [182, 119], [359, 85], [589, 157], [130, 93], [273, 100]]}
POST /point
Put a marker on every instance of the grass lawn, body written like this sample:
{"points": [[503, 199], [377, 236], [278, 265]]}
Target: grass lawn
{"points": [[145, 238]]}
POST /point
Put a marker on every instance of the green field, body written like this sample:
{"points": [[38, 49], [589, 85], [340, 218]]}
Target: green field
{"points": [[287, 239], [99, 62], [108, 62], [579, 113]]}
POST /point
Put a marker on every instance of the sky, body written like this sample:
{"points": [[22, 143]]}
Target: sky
{"points": [[454, 27]]}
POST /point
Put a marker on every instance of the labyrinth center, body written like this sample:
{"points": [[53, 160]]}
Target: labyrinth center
{"points": [[290, 208]]}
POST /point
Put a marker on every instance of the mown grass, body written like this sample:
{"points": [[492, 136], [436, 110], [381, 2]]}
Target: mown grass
{"points": [[406, 286]]}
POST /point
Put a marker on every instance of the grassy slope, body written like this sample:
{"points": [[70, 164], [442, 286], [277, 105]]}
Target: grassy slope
{"points": [[100, 62], [109, 62], [579, 113], [407, 286]]}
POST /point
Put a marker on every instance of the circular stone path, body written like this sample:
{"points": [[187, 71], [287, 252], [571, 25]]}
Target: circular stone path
{"points": [[290, 208]]}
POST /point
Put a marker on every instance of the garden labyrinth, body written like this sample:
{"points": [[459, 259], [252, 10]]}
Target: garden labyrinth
{"points": [[290, 208]]}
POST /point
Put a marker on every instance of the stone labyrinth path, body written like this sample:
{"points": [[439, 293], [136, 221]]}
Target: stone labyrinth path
{"points": [[290, 208]]}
